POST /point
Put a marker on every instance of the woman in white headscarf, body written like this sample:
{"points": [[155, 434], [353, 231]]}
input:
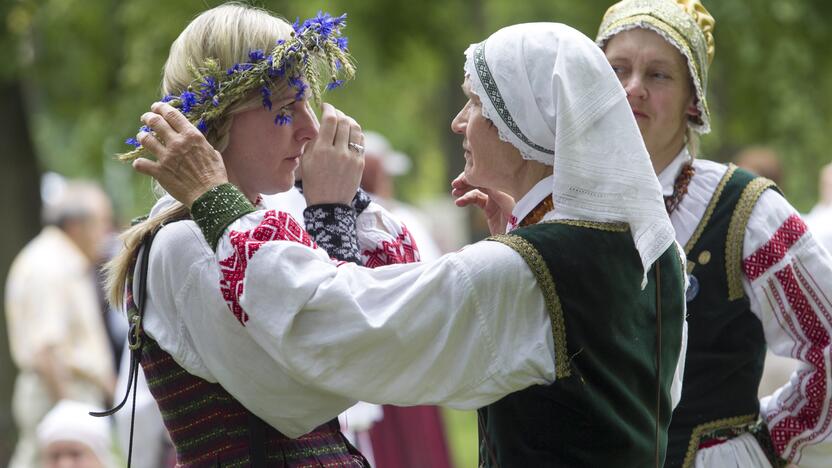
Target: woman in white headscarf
{"points": [[573, 320], [759, 278]]}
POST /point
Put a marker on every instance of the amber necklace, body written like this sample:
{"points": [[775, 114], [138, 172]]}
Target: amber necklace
{"points": [[546, 205], [680, 188]]}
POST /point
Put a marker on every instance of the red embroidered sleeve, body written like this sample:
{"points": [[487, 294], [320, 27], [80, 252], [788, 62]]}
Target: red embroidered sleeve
{"points": [[276, 225], [402, 249], [798, 301]]}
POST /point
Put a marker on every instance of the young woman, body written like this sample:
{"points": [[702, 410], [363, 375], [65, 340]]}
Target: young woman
{"points": [[251, 97]]}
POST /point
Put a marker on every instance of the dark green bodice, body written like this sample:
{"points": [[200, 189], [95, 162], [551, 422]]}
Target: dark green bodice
{"points": [[726, 345], [601, 409]]}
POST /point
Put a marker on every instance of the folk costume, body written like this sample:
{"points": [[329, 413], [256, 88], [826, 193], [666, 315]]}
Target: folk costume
{"points": [[758, 279], [215, 390], [503, 325]]}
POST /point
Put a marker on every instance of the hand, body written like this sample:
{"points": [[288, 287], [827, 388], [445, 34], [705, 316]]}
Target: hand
{"points": [[496, 205], [186, 164], [331, 168]]}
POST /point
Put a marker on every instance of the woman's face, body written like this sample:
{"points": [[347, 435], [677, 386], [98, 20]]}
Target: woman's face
{"points": [[658, 84], [489, 161], [262, 156]]}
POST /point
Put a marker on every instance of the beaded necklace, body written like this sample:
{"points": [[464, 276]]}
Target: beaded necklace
{"points": [[546, 205], [680, 188]]}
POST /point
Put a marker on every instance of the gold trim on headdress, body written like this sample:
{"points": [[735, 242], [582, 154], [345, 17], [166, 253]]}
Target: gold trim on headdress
{"points": [[685, 24]]}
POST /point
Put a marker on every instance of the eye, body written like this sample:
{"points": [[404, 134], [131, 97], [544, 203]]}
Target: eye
{"points": [[661, 75]]}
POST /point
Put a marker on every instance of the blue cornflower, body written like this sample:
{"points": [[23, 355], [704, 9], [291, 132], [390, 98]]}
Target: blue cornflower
{"points": [[334, 84], [168, 98], [266, 92], [188, 100], [207, 88], [338, 64], [256, 55], [277, 72], [238, 67], [297, 26], [202, 125], [215, 101], [280, 41], [282, 119], [133, 142], [341, 42], [145, 129]]}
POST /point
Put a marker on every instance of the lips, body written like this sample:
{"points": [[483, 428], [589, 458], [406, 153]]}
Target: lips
{"points": [[639, 114]]}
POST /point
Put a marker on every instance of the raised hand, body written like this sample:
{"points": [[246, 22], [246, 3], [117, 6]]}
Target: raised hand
{"points": [[332, 163], [186, 164], [496, 205]]}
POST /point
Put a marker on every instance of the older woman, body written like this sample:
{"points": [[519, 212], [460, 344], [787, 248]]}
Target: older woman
{"points": [[245, 79], [758, 277], [565, 332]]}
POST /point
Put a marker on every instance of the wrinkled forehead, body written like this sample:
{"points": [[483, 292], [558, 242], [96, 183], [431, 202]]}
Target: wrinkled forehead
{"points": [[644, 43]]}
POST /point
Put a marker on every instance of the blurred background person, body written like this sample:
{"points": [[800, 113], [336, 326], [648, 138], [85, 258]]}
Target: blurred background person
{"points": [[820, 218], [381, 165], [56, 332], [68, 437], [763, 161]]}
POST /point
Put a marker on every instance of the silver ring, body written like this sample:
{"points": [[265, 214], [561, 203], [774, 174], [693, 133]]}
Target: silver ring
{"points": [[358, 148]]}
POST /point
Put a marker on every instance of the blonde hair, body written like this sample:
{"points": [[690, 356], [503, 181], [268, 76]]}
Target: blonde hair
{"points": [[226, 34]]}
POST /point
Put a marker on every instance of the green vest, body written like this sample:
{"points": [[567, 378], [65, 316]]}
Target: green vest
{"points": [[726, 345], [602, 408]]}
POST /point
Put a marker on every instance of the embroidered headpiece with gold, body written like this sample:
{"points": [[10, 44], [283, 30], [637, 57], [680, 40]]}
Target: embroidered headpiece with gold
{"points": [[685, 24]]}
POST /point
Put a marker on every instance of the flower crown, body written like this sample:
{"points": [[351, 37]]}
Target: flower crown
{"points": [[315, 45]]}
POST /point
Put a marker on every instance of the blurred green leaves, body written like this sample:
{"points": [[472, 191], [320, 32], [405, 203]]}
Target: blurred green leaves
{"points": [[91, 67]]}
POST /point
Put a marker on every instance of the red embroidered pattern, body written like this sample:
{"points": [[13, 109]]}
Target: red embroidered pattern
{"points": [[814, 384], [775, 249], [276, 225], [401, 250]]}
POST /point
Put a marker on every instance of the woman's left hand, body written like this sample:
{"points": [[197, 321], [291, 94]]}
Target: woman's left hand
{"points": [[495, 205], [186, 164], [332, 164]]}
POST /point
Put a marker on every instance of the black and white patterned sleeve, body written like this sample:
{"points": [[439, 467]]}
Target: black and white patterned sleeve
{"points": [[332, 226]]}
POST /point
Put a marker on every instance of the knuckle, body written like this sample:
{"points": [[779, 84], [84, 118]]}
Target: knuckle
{"points": [[153, 120], [329, 119], [170, 113]]}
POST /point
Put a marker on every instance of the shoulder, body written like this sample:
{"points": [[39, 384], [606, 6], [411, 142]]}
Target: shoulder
{"points": [[183, 239]]}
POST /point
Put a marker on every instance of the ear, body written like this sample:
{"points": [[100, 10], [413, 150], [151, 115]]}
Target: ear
{"points": [[691, 110]]}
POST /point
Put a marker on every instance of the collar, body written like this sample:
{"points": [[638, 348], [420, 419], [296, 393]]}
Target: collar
{"points": [[530, 200], [667, 178]]}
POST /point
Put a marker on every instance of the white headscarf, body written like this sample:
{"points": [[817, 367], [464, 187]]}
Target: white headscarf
{"points": [[552, 94], [70, 421]]}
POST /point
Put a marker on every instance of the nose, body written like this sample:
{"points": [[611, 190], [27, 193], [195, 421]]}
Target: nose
{"points": [[634, 86], [459, 122], [305, 124]]}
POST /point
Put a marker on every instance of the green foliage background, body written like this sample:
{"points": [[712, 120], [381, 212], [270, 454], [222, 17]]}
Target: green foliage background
{"points": [[87, 70], [91, 67]]}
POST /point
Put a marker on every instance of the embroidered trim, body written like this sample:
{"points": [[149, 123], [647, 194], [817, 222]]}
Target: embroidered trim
{"points": [[276, 225], [703, 429], [402, 249], [711, 206], [550, 295], [601, 226], [736, 234], [808, 413], [493, 92], [217, 208], [773, 251]]}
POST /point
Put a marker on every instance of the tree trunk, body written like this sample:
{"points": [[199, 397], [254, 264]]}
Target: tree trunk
{"points": [[20, 193]]}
